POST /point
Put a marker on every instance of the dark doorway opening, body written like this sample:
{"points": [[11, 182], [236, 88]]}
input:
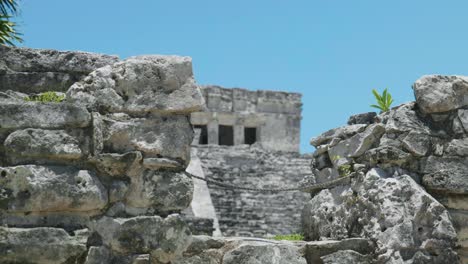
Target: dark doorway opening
{"points": [[250, 135], [203, 135], [226, 135]]}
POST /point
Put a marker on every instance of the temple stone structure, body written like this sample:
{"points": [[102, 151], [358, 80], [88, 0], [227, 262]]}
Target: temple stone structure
{"points": [[239, 116]]}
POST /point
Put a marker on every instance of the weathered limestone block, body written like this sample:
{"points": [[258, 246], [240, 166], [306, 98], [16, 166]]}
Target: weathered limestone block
{"points": [[42, 245], [458, 147], [416, 143], [387, 156], [358, 144], [446, 174], [42, 115], [118, 165], [404, 118], [316, 250], [32, 188], [37, 144], [142, 84], [346, 257], [257, 252], [437, 93], [39, 70], [97, 139], [164, 191], [98, 255], [340, 132], [163, 238], [168, 137], [396, 212]]}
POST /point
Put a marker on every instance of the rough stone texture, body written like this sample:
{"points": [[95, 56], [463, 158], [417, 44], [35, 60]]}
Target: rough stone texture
{"points": [[163, 238], [162, 84], [17, 115], [422, 143], [396, 212], [346, 257], [437, 93], [211, 250], [40, 245], [37, 144], [159, 136], [40, 70], [32, 188], [242, 213], [340, 132], [64, 168], [163, 191]]}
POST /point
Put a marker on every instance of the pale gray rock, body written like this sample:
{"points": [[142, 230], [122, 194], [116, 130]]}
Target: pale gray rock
{"points": [[458, 147], [118, 165], [32, 188], [162, 84], [39, 70], [158, 163], [163, 238], [364, 118], [42, 115], [416, 143], [203, 250], [446, 174], [463, 119], [386, 156], [395, 212], [117, 191], [97, 139], [437, 93], [315, 250], [340, 132], [253, 252], [98, 255], [167, 137], [164, 191], [38, 144], [42, 245], [346, 257], [357, 145], [404, 118]]}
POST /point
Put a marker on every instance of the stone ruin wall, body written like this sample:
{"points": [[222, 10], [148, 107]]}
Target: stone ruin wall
{"points": [[276, 117], [98, 178], [409, 193]]}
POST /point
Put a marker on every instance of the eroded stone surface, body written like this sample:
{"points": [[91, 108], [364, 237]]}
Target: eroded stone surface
{"points": [[396, 212], [163, 238], [164, 191], [155, 137], [42, 245], [437, 93], [162, 84], [31, 144], [42, 115], [32, 188]]}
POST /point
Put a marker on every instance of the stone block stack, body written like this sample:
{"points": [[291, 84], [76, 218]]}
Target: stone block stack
{"points": [[410, 190], [99, 177]]}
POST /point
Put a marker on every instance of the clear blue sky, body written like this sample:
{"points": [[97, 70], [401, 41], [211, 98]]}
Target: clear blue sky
{"points": [[333, 52]]}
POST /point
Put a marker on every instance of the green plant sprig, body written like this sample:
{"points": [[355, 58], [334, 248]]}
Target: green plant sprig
{"points": [[291, 237], [46, 97], [384, 101]]}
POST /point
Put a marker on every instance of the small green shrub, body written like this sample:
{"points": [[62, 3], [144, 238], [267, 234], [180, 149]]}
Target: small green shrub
{"points": [[384, 101], [46, 97], [345, 170], [291, 237]]}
